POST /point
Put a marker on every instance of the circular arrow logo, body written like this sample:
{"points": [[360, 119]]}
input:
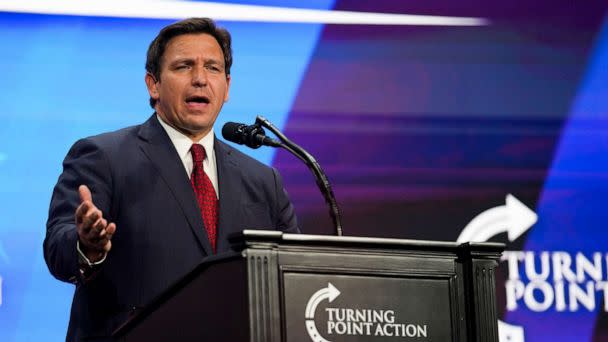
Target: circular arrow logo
{"points": [[330, 292], [514, 218]]}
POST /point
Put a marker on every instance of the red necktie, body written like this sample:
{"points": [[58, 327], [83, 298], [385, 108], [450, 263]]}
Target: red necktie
{"points": [[205, 193]]}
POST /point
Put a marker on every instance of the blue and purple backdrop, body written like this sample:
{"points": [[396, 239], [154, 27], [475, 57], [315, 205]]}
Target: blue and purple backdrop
{"points": [[424, 128]]}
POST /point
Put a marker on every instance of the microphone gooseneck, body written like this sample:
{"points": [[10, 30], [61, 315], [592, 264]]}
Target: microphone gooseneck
{"points": [[254, 137]]}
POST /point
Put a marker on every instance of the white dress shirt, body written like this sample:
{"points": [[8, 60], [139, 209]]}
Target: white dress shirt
{"points": [[182, 145]]}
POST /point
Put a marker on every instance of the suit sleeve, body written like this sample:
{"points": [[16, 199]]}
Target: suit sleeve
{"points": [[286, 216], [85, 164]]}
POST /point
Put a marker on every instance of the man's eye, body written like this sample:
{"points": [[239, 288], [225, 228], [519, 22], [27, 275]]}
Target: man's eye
{"points": [[213, 68]]}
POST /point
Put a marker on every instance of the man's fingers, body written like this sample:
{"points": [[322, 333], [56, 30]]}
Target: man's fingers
{"points": [[99, 234], [81, 211], [102, 243], [103, 233], [107, 231], [87, 213], [99, 225], [96, 231], [85, 194], [111, 228], [93, 230], [91, 219], [107, 246]]}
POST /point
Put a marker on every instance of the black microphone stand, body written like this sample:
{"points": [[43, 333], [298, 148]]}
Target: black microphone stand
{"points": [[312, 164]]}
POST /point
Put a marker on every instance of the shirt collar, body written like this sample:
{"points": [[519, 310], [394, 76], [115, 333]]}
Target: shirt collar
{"points": [[183, 143]]}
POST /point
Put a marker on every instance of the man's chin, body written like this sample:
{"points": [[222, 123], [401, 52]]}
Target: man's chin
{"points": [[198, 131]]}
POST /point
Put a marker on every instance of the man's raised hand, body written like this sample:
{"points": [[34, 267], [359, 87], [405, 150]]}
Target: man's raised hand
{"points": [[94, 232]]}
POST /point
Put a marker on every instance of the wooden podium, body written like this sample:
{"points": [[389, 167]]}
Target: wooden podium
{"points": [[300, 288]]}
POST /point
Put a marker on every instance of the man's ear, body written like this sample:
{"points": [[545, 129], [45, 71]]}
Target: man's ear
{"points": [[227, 88], [151, 84]]}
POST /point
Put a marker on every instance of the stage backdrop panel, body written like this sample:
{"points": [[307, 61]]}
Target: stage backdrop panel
{"points": [[490, 132]]}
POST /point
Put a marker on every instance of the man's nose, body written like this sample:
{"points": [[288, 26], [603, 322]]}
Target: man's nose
{"points": [[199, 76]]}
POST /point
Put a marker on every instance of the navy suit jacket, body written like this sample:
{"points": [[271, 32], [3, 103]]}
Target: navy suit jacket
{"points": [[139, 182]]}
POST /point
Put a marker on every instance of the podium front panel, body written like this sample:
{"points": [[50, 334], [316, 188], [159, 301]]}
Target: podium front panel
{"points": [[346, 307]]}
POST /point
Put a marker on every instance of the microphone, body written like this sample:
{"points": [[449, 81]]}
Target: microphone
{"points": [[252, 136]]}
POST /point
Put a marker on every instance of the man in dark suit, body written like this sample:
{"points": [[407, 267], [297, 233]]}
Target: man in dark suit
{"points": [[136, 209]]}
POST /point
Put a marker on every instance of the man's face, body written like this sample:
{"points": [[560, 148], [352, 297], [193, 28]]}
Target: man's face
{"points": [[193, 84]]}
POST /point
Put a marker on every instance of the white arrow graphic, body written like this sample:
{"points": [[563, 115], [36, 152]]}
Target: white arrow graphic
{"points": [[329, 292], [513, 217]]}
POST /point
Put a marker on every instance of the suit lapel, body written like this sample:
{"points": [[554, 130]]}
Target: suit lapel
{"points": [[157, 146], [229, 183]]}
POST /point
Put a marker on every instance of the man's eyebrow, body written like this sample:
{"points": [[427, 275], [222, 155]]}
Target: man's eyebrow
{"points": [[182, 60], [188, 60], [213, 61]]}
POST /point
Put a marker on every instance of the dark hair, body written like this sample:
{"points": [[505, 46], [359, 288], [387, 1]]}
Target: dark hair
{"points": [[156, 50]]}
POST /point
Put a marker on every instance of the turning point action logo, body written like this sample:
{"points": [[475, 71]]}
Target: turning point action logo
{"points": [[558, 280], [356, 322]]}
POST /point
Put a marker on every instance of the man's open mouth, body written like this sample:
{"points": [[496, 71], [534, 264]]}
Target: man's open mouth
{"points": [[197, 99]]}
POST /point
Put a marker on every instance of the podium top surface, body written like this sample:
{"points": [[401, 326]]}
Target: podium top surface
{"points": [[272, 236]]}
